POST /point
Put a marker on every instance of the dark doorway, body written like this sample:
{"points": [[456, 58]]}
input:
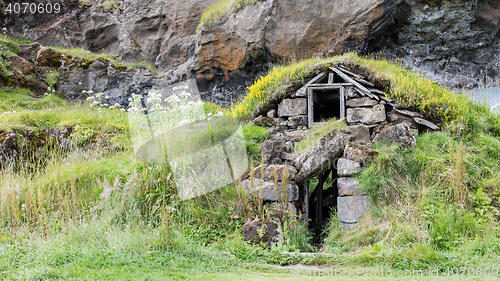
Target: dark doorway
{"points": [[323, 195], [326, 104]]}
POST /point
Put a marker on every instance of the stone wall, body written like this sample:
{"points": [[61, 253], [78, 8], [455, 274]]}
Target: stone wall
{"points": [[348, 150]]}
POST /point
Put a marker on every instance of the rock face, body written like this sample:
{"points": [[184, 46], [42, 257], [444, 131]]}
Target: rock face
{"points": [[454, 42], [9, 149]]}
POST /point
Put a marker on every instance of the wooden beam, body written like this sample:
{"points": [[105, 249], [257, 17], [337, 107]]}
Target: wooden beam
{"points": [[334, 85], [342, 102], [330, 78], [317, 78], [310, 107], [350, 80], [350, 73], [363, 81]]}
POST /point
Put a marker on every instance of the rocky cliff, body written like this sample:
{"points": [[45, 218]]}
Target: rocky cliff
{"points": [[454, 42]]}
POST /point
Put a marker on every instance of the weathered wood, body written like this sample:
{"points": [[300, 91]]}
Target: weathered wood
{"points": [[360, 92], [363, 81], [342, 102], [385, 99], [350, 73], [395, 105], [377, 91], [330, 78], [317, 78], [306, 200], [310, 107], [334, 85], [350, 80]]}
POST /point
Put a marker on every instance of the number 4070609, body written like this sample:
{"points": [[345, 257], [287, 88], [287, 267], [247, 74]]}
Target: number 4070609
{"points": [[40, 8]]}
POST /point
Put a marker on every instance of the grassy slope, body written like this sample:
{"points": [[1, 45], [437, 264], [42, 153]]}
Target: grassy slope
{"points": [[66, 231]]}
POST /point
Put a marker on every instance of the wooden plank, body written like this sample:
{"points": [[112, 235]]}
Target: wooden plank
{"points": [[350, 80], [325, 87], [330, 78], [310, 107], [360, 92], [306, 200], [363, 81], [334, 85], [350, 73], [377, 91], [342, 102], [317, 78]]}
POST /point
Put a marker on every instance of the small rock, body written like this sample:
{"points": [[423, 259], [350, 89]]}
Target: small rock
{"points": [[271, 113], [361, 102], [347, 167], [292, 107], [294, 135], [295, 121], [264, 121], [351, 209]]}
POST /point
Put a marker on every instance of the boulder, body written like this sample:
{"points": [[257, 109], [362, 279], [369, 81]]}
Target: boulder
{"points": [[400, 133], [23, 65], [347, 167], [320, 159], [271, 150], [269, 191], [368, 116], [292, 107], [360, 102], [259, 231], [360, 153], [350, 209], [9, 149], [46, 57], [360, 133], [349, 186]]}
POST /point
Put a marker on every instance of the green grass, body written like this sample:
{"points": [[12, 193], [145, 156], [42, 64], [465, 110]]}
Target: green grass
{"points": [[219, 12], [95, 213]]}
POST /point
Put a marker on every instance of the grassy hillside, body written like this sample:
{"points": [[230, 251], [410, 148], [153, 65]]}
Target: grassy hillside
{"points": [[94, 212]]}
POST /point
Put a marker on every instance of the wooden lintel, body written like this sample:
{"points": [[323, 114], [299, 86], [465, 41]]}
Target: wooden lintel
{"points": [[350, 80]]}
